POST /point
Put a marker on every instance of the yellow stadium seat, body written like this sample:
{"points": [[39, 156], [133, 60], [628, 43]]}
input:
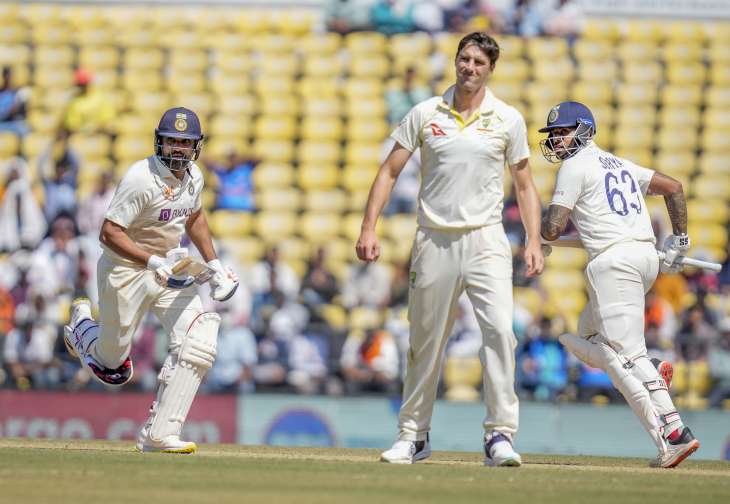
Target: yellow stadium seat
{"points": [[274, 43], [141, 80], [14, 33], [33, 144], [284, 105], [242, 104], [643, 30], [273, 86], [91, 146], [229, 41], [509, 92], [418, 44], [365, 107], [335, 315], [681, 95], [51, 34], [53, 77], [542, 92], [528, 298], [717, 97], [586, 50], [567, 258], [539, 48], [366, 43], [605, 116], [636, 94], [557, 70], [221, 146], [43, 121], [229, 125], [598, 28], [633, 136], [686, 73], [715, 140], [135, 146], [400, 227], [327, 66], [317, 176], [143, 59], [273, 175], [714, 163], [320, 44], [294, 248], [706, 234], [371, 130], [365, 87], [350, 226], [705, 209], [186, 60], [319, 226], [637, 51], [9, 144], [642, 72], [363, 318], [592, 92], [279, 66], [604, 71], [682, 51], [319, 87], [311, 152], [719, 74], [515, 70], [672, 162], [717, 53], [362, 153], [320, 128], [325, 200], [640, 155], [16, 55], [463, 371], [698, 377], [230, 224], [562, 280], [96, 57], [684, 31], [245, 249], [709, 186], [202, 102], [274, 127], [670, 117], [322, 107], [671, 138], [224, 83], [277, 151], [232, 62], [274, 226]]}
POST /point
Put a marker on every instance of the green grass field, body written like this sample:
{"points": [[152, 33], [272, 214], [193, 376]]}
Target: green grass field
{"points": [[71, 471]]}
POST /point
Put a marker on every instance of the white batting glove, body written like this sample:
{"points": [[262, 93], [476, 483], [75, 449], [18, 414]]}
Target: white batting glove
{"points": [[675, 246], [164, 275], [224, 282]]}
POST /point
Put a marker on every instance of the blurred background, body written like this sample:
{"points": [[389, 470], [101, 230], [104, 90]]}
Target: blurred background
{"points": [[297, 100]]}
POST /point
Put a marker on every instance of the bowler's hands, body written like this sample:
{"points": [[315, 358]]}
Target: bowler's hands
{"points": [[223, 283], [534, 259], [367, 247]]}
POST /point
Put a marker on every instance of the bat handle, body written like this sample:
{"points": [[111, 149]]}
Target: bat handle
{"points": [[697, 263]]}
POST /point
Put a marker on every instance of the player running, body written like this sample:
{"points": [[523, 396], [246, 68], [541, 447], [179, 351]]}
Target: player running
{"points": [[466, 137], [604, 197], [157, 199]]}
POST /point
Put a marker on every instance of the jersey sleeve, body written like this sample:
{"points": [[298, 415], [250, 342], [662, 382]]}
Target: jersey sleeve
{"points": [[128, 201], [643, 176], [517, 146], [568, 186], [408, 131]]}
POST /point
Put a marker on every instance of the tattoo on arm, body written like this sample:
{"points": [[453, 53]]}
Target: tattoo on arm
{"points": [[554, 222], [677, 208]]}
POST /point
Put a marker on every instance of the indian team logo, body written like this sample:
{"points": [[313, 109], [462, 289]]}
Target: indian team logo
{"points": [[191, 189], [181, 122], [553, 115]]}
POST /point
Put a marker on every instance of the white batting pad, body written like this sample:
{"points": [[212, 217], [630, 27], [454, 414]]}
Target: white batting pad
{"points": [[180, 378]]}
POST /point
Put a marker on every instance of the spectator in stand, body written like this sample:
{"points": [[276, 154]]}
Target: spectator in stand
{"points": [[695, 334], [89, 111], [93, 208], [13, 104], [367, 284], [369, 362], [543, 363], [234, 189], [144, 355], [28, 348], [392, 16], [719, 363], [59, 166], [564, 20], [659, 314], [671, 288], [233, 368], [272, 367], [21, 221], [656, 346], [403, 99], [319, 284], [271, 273], [345, 16]]}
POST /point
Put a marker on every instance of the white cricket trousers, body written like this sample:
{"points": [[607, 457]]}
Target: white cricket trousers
{"points": [[617, 281], [444, 263], [126, 293]]}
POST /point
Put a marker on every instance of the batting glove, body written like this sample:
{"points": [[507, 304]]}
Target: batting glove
{"points": [[675, 246], [164, 275], [224, 282]]}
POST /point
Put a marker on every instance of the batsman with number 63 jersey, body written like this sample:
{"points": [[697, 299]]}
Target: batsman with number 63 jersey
{"points": [[157, 200], [604, 197]]}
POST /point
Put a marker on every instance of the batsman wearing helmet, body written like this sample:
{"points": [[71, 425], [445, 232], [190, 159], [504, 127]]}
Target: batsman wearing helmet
{"points": [[604, 197], [466, 137], [142, 268]]}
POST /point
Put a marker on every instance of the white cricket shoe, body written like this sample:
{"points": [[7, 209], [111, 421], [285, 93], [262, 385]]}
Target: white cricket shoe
{"points": [[407, 452], [678, 450], [498, 451], [170, 444]]}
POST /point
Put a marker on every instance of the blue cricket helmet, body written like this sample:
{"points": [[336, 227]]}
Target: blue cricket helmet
{"points": [[179, 122], [572, 115], [569, 114]]}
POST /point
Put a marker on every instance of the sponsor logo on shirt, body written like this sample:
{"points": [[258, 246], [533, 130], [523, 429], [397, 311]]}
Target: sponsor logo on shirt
{"points": [[167, 214], [436, 130]]}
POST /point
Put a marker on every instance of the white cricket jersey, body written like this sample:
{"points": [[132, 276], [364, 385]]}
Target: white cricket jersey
{"points": [[462, 161], [153, 206], [606, 196]]}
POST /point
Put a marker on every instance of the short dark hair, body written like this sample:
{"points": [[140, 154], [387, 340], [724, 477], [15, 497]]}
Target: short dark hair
{"points": [[484, 42]]}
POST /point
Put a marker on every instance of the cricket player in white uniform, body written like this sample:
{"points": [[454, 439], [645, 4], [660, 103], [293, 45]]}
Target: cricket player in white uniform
{"points": [[157, 200], [604, 197], [466, 137]]}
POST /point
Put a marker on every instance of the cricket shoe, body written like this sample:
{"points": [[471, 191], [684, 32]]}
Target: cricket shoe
{"points": [[665, 369], [407, 452], [498, 451], [169, 444], [78, 337], [678, 450]]}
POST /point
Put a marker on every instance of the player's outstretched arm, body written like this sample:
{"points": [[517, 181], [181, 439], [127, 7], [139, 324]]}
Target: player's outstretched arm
{"points": [[367, 247], [673, 193], [529, 202]]}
